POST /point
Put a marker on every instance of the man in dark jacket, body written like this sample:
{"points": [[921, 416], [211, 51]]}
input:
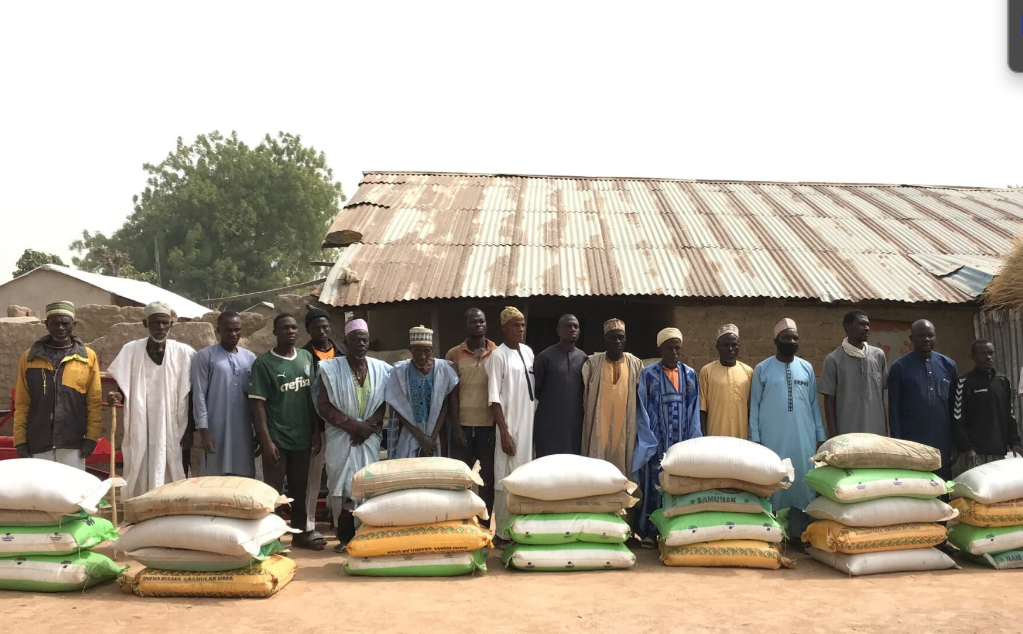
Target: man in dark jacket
{"points": [[983, 416], [57, 413]]}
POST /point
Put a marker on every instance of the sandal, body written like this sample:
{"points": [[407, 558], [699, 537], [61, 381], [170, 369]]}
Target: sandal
{"points": [[302, 540], [340, 548], [317, 536]]}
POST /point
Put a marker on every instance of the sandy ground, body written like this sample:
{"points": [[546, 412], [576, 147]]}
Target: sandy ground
{"points": [[648, 598]]}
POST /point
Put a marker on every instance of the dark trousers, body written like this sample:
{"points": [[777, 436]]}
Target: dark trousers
{"points": [[293, 467], [479, 445]]}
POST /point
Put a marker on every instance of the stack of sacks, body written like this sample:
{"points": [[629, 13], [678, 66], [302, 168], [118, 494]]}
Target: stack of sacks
{"points": [[419, 520], [46, 530], [206, 537], [565, 513], [714, 508], [990, 503], [879, 511]]}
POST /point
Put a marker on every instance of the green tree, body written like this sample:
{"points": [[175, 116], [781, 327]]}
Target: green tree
{"points": [[100, 254], [34, 259], [230, 219]]}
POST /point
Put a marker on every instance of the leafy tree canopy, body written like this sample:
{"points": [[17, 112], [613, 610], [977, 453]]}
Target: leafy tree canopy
{"points": [[30, 260], [227, 218]]}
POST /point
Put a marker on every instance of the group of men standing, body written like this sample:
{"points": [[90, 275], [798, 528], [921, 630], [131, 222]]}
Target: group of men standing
{"points": [[323, 407]]}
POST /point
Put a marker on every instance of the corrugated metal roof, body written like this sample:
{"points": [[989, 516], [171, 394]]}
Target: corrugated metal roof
{"points": [[436, 236], [134, 290]]}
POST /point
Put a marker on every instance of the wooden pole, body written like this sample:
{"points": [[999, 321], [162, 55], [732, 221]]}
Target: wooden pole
{"points": [[113, 458]]}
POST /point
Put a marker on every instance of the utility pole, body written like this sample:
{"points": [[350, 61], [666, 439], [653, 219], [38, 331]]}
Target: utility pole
{"points": [[156, 254]]}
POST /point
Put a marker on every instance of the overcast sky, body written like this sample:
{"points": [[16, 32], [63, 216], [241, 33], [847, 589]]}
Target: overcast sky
{"points": [[914, 91]]}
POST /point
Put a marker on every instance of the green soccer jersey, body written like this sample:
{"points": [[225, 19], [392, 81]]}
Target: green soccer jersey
{"points": [[284, 385]]}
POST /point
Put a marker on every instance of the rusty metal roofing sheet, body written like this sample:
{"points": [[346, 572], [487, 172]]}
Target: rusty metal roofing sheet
{"points": [[411, 236]]}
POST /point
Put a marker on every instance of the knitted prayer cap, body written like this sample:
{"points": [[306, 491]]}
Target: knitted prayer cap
{"points": [[420, 336], [510, 313], [614, 324], [60, 308], [667, 335]]}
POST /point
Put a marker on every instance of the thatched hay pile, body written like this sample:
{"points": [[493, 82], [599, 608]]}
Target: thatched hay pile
{"points": [[1006, 289]]}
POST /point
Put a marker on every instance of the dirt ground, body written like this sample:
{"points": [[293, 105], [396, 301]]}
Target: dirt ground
{"points": [[648, 598]]}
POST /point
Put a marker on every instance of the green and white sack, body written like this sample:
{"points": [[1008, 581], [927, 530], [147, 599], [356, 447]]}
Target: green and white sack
{"points": [[912, 560], [1008, 560], [427, 565], [881, 512], [565, 528], [57, 573], [981, 541], [860, 485], [198, 560], [991, 483], [712, 527], [71, 537], [714, 500], [577, 556], [20, 517]]}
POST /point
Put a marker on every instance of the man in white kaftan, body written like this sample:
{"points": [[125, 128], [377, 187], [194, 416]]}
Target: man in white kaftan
{"points": [[511, 397], [349, 397], [153, 376]]}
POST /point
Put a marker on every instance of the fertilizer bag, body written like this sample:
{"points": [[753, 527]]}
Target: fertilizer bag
{"points": [[565, 528], [912, 560], [421, 506], [199, 560], [725, 457], [610, 503], [56, 573], [729, 553], [429, 565], [982, 541], [441, 537], [711, 527], [881, 512], [831, 536], [567, 557], [387, 476], [71, 537], [566, 477], [1005, 560], [871, 451], [262, 580], [223, 535], [714, 500], [860, 485], [30, 484], [12, 517], [219, 496], [684, 485], [977, 513], [991, 483]]}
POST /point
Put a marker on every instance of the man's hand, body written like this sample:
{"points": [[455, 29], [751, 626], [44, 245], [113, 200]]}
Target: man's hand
{"points": [[114, 398], [317, 443], [971, 459], [458, 436], [187, 441], [1018, 450], [207, 441], [428, 446], [23, 451], [271, 455], [88, 446], [507, 444]]}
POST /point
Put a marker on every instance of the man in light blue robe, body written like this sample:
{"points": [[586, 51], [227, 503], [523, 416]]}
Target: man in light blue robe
{"points": [[349, 397], [419, 392], [785, 415], [220, 404], [669, 399]]}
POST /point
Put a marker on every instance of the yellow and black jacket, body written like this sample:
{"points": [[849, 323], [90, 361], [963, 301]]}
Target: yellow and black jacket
{"points": [[57, 408]]}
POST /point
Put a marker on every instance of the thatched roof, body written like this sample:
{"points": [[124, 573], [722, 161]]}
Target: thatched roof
{"points": [[1006, 289]]}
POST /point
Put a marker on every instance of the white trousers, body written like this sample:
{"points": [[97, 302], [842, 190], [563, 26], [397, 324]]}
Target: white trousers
{"points": [[70, 457], [313, 490]]}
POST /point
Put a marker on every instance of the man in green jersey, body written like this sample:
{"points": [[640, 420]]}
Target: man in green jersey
{"points": [[285, 421]]}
